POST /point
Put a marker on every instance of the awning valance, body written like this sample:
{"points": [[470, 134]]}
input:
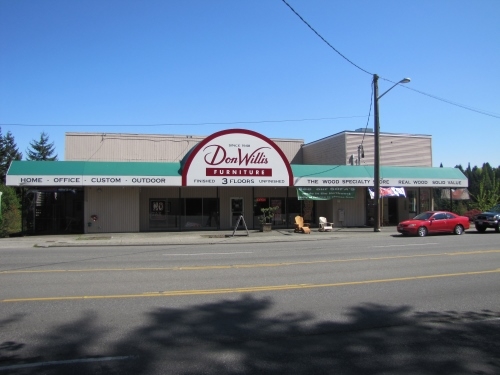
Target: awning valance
{"points": [[82, 173], [347, 175]]}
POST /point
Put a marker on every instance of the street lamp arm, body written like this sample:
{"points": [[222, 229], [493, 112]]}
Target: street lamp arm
{"points": [[404, 80], [376, 161]]}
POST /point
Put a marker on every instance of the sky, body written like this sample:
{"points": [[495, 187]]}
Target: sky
{"points": [[195, 67]]}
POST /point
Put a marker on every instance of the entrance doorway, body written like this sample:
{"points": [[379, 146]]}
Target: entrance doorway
{"points": [[393, 218], [237, 210], [53, 211]]}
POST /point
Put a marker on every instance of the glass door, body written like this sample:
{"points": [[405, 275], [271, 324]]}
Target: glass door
{"points": [[237, 210]]}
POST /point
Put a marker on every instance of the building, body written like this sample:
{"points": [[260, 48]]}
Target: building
{"points": [[138, 182]]}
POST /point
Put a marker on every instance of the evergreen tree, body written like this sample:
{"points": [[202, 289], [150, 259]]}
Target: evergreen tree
{"points": [[474, 179], [41, 150], [2, 155], [8, 152], [488, 176]]}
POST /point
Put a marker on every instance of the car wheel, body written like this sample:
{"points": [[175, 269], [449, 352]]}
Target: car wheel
{"points": [[497, 229], [458, 230], [422, 232], [480, 228]]}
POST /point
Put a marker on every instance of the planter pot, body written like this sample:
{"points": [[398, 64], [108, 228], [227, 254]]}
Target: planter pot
{"points": [[265, 227]]}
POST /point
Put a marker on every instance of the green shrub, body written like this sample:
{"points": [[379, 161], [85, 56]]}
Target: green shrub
{"points": [[10, 217]]}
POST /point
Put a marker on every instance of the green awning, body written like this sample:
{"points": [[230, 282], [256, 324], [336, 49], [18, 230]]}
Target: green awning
{"points": [[348, 175], [86, 173]]}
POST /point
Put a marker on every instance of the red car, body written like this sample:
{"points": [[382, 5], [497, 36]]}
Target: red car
{"points": [[434, 222]]}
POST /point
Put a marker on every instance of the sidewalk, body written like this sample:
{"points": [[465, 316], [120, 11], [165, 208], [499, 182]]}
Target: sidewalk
{"points": [[184, 238]]}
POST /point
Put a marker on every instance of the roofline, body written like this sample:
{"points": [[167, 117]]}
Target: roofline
{"points": [[370, 134], [189, 136]]}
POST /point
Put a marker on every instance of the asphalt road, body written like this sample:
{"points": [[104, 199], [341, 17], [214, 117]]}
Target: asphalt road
{"points": [[377, 304]]}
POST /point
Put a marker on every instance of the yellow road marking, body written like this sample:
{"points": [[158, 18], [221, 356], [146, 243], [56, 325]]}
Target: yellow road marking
{"points": [[250, 289], [253, 265]]}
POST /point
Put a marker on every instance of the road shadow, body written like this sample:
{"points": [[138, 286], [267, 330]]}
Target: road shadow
{"points": [[486, 232], [240, 336]]}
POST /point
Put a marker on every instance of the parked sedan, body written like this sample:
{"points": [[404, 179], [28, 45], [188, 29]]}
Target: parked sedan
{"points": [[434, 222]]}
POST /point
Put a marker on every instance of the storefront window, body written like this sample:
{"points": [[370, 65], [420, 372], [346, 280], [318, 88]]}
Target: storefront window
{"points": [[412, 201], [425, 200], [164, 213], [53, 211], [157, 213], [279, 219], [210, 213], [258, 203], [193, 214], [294, 209], [309, 211]]}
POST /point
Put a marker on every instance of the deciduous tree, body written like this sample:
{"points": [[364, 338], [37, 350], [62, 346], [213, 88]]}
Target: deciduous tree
{"points": [[486, 198]]}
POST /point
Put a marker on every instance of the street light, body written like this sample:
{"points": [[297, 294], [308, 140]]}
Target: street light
{"points": [[376, 97]]}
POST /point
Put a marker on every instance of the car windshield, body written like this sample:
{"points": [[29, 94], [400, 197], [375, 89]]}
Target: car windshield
{"points": [[495, 208], [424, 216]]}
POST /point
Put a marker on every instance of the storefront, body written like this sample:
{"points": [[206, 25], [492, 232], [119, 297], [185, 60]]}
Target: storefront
{"points": [[229, 174]]}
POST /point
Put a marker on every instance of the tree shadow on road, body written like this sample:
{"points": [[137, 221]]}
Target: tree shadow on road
{"points": [[240, 336]]}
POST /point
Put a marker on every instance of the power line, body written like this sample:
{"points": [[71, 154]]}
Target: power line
{"points": [[190, 124], [323, 39], [483, 112], [369, 114], [487, 113]]}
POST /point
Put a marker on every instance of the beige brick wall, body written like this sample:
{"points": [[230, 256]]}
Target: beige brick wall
{"points": [[395, 149], [329, 150], [338, 149], [148, 147]]}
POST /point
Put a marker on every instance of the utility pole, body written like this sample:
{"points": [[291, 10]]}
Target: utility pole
{"points": [[376, 164]]}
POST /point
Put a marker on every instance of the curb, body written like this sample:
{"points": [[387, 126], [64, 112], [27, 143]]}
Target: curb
{"points": [[184, 238]]}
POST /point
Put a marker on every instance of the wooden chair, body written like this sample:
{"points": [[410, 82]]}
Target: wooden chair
{"points": [[324, 225], [300, 226]]}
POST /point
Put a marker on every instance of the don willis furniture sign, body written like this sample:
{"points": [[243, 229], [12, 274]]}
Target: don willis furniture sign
{"points": [[237, 157]]}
